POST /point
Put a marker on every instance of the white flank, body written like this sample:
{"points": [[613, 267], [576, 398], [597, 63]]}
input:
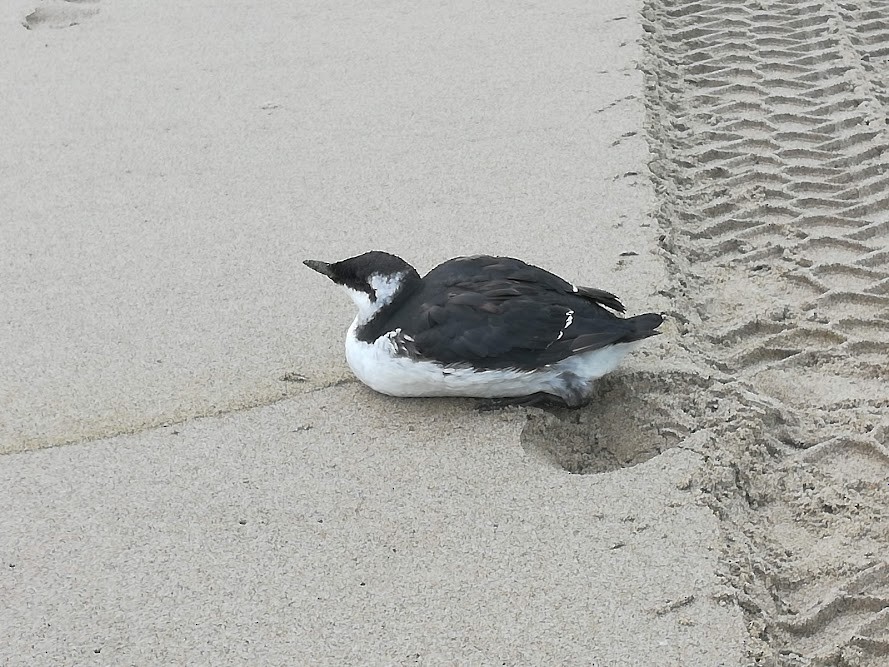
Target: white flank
{"points": [[377, 366]]}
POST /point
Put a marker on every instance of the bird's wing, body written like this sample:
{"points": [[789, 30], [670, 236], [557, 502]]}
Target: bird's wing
{"points": [[510, 322], [515, 270]]}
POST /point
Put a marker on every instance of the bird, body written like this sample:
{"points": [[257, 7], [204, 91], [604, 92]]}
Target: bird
{"points": [[492, 328]]}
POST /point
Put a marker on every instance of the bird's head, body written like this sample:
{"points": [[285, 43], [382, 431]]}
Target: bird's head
{"points": [[373, 280]]}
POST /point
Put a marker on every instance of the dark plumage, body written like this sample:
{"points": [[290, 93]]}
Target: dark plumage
{"points": [[499, 312]]}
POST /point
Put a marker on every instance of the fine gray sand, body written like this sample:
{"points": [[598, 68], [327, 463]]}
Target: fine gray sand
{"points": [[190, 474]]}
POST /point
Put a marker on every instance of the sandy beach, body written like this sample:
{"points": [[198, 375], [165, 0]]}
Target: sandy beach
{"points": [[189, 472]]}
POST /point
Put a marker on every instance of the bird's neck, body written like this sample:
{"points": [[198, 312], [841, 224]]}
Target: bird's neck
{"points": [[371, 323]]}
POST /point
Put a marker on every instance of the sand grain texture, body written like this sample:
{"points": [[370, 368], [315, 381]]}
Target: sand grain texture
{"points": [[769, 124], [166, 186], [730, 502], [228, 494], [335, 529]]}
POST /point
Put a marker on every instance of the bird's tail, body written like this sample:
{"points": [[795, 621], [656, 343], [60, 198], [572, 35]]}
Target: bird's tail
{"points": [[644, 326]]}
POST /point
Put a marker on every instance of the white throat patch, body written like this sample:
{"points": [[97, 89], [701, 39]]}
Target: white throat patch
{"points": [[385, 288]]}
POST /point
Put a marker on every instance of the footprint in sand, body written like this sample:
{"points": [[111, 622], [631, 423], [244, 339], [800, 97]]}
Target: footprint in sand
{"points": [[60, 13]]}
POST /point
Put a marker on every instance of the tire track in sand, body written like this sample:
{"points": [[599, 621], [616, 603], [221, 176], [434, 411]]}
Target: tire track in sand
{"points": [[768, 122]]}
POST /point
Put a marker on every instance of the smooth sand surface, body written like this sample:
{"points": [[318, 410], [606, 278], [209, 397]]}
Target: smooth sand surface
{"points": [[166, 167], [345, 528]]}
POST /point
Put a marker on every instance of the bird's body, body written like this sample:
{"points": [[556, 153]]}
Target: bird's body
{"points": [[482, 326]]}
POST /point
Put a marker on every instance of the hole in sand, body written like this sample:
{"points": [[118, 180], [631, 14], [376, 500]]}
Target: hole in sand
{"points": [[632, 418]]}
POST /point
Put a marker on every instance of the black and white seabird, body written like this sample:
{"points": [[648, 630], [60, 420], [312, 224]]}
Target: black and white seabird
{"points": [[481, 326]]}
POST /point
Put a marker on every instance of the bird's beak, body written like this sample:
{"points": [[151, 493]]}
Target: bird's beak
{"points": [[321, 267]]}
